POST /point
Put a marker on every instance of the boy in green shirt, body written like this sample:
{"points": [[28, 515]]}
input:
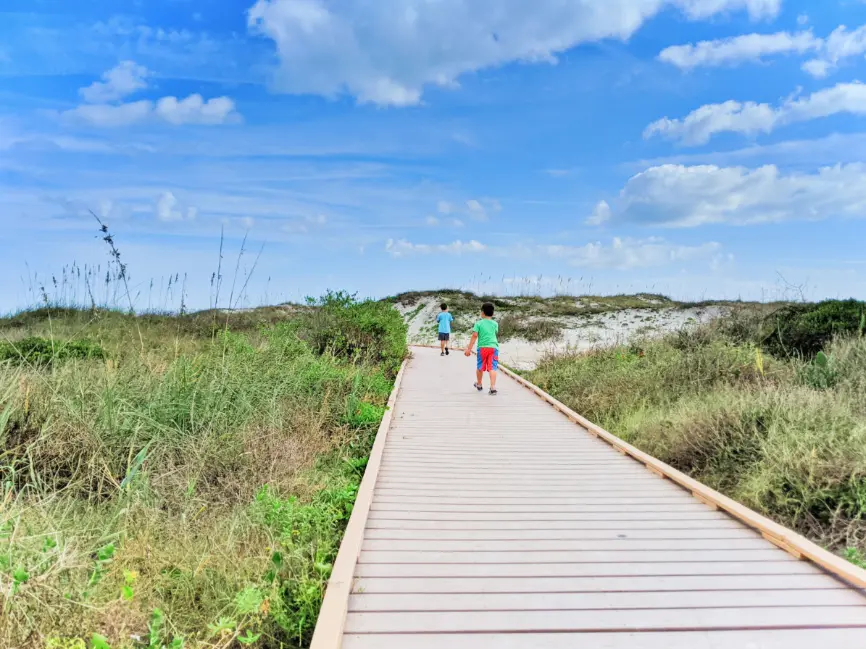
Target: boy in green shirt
{"points": [[484, 332]]}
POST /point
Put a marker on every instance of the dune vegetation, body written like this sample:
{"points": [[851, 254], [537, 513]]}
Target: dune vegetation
{"points": [[182, 480], [768, 406]]}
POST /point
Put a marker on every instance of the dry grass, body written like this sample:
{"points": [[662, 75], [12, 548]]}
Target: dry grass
{"points": [[197, 480], [759, 429]]}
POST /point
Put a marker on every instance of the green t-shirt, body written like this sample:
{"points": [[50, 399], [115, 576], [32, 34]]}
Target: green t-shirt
{"points": [[487, 330]]}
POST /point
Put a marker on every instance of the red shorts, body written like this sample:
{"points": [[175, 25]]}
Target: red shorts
{"points": [[488, 359]]}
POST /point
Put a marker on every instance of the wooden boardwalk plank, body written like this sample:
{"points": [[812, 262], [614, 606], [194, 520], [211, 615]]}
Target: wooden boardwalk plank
{"points": [[772, 639], [452, 602], [674, 619], [609, 584]]}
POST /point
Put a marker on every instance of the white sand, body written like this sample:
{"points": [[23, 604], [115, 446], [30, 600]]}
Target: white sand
{"points": [[578, 334]]}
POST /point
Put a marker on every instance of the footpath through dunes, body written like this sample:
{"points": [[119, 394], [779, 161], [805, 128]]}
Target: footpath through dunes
{"points": [[496, 522]]}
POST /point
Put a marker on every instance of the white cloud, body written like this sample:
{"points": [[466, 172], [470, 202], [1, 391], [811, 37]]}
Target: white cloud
{"points": [[195, 110], [192, 110], [432, 221], [445, 207], [625, 254], [168, 209], [110, 115], [124, 79], [750, 118], [619, 254], [475, 209], [386, 53], [600, 214], [128, 77], [677, 195], [841, 44], [403, 248], [738, 49], [481, 210], [803, 19]]}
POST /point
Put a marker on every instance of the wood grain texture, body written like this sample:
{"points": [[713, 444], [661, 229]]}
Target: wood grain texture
{"points": [[498, 523]]}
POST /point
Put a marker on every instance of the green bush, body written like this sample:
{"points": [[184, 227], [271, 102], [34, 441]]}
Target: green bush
{"points": [[365, 330], [534, 330], [41, 351], [805, 329]]}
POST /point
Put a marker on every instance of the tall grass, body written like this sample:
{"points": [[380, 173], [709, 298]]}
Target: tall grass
{"points": [[190, 490], [774, 433]]}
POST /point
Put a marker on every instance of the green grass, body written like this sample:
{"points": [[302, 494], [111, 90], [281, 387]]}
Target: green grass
{"points": [[784, 435], [191, 486]]}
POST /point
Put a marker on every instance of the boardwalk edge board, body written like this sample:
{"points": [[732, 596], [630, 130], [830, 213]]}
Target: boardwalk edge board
{"points": [[797, 545], [332, 617]]}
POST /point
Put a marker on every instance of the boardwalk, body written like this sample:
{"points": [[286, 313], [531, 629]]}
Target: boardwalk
{"points": [[497, 523]]}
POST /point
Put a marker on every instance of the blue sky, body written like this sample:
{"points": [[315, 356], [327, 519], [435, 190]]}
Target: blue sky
{"points": [[700, 148]]}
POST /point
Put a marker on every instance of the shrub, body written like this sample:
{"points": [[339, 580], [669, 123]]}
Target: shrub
{"points": [[534, 330], [360, 330], [41, 351], [805, 329]]}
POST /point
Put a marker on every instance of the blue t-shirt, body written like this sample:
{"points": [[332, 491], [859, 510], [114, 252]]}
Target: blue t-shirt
{"points": [[444, 319]]}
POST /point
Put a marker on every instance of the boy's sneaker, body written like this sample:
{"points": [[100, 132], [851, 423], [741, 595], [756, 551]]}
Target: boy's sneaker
{"points": [[478, 386], [493, 393], [442, 354], [446, 352]]}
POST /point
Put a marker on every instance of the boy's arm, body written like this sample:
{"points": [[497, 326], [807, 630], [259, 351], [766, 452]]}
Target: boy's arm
{"points": [[471, 342]]}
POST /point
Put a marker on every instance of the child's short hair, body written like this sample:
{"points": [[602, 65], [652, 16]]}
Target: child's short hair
{"points": [[487, 309], [444, 306]]}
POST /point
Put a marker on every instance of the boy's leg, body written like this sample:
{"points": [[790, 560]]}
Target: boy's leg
{"points": [[492, 379], [494, 369]]}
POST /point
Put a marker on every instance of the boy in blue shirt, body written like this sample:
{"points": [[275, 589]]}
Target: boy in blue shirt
{"points": [[444, 319]]}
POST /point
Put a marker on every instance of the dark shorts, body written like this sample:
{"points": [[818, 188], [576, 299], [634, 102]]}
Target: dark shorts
{"points": [[444, 336], [488, 359]]}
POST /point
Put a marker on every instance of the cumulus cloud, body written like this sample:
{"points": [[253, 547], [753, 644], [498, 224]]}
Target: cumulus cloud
{"points": [[125, 79], [386, 53], [168, 209], [404, 248], [730, 51], [625, 254], [677, 195], [191, 110], [600, 214], [750, 118], [195, 110], [103, 108]]}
